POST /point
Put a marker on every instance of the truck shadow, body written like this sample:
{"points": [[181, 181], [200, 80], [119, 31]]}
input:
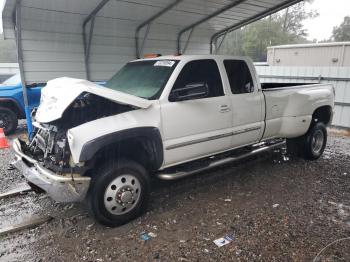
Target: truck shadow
{"points": [[250, 170]]}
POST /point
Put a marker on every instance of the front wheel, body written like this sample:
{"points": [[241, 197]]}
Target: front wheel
{"points": [[119, 192]]}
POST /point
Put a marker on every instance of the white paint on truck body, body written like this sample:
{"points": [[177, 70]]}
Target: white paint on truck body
{"points": [[198, 128]]}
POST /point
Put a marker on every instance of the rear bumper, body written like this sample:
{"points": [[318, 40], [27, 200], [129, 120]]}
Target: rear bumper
{"points": [[61, 188]]}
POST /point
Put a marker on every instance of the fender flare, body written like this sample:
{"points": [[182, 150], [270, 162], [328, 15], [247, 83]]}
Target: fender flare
{"points": [[20, 111], [152, 135]]}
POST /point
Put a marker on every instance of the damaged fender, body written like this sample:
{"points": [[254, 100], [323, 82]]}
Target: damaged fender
{"points": [[86, 139], [150, 134]]}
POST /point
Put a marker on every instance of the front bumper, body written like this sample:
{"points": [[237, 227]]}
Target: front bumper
{"points": [[61, 188]]}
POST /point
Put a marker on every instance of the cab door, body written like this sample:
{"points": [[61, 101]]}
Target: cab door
{"points": [[199, 126], [248, 108]]}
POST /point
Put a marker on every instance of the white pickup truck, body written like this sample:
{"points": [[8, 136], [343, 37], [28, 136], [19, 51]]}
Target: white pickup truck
{"points": [[170, 117]]}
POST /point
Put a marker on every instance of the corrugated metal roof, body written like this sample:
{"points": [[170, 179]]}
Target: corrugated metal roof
{"points": [[52, 31], [185, 13]]}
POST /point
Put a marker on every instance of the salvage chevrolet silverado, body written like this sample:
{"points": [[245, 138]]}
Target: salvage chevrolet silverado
{"points": [[171, 117]]}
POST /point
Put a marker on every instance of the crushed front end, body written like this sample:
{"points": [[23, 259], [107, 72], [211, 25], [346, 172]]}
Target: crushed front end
{"points": [[46, 160], [62, 187]]}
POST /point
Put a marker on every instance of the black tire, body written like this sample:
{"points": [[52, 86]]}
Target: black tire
{"points": [[8, 120], [305, 146], [315, 141], [109, 180]]}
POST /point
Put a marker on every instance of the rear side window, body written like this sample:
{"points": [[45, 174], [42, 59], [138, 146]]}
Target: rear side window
{"points": [[239, 76], [205, 71]]}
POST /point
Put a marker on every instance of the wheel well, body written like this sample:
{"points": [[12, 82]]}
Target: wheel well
{"points": [[322, 114], [12, 105], [140, 149]]}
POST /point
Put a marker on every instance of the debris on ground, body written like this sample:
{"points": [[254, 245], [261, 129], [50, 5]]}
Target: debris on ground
{"points": [[275, 205], [10, 167], [30, 223], [222, 241], [148, 236], [152, 234], [20, 189], [90, 226]]}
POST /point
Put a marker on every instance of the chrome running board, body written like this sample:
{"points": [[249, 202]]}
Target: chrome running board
{"points": [[220, 162]]}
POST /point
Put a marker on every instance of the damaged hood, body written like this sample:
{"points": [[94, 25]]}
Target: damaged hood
{"points": [[59, 93]]}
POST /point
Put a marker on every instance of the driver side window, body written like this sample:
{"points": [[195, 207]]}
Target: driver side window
{"points": [[199, 73]]}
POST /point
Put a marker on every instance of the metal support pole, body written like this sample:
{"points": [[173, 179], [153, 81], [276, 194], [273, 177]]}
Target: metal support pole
{"points": [[188, 40], [88, 48], [221, 42], [252, 19], [87, 42], [218, 12], [144, 39], [148, 22], [18, 32]]}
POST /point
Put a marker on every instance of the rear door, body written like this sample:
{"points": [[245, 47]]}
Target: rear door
{"points": [[197, 127], [247, 103]]}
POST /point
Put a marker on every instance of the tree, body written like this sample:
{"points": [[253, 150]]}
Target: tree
{"points": [[342, 32], [293, 17], [285, 27]]}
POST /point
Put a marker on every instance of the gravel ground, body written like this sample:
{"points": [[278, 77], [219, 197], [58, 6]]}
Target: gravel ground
{"points": [[278, 209]]}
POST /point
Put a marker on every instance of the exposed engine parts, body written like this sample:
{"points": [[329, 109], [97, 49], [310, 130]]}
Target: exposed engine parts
{"points": [[50, 144], [88, 107]]}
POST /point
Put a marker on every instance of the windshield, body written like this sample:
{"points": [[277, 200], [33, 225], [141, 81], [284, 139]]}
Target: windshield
{"points": [[12, 81], [144, 79]]}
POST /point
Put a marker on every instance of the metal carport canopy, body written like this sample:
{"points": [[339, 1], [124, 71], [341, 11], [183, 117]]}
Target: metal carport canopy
{"points": [[93, 39]]}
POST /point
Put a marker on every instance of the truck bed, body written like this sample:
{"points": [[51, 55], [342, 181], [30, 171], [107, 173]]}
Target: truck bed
{"points": [[281, 85], [289, 107]]}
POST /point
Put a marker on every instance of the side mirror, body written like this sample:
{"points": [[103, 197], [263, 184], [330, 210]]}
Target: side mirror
{"points": [[189, 92]]}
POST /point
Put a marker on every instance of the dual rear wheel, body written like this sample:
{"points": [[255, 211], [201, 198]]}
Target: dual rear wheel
{"points": [[311, 145]]}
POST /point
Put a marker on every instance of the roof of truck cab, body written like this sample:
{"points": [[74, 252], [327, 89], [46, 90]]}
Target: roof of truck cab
{"points": [[194, 57]]}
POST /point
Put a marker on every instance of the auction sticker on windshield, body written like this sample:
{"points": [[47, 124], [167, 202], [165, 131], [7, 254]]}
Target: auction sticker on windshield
{"points": [[164, 63]]}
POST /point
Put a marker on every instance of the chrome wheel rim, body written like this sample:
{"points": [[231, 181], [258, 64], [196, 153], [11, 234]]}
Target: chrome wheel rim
{"points": [[122, 194], [317, 141]]}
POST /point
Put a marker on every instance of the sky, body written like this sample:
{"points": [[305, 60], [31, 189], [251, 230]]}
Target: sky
{"points": [[331, 13]]}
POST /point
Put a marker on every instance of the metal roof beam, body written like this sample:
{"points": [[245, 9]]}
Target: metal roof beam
{"points": [[87, 42], [148, 22], [252, 19], [95, 11], [208, 17]]}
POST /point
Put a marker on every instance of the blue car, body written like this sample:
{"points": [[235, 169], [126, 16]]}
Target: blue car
{"points": [[12, 104]]}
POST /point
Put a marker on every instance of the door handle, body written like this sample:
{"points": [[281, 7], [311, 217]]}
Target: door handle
{"points": [[224, 109]]}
